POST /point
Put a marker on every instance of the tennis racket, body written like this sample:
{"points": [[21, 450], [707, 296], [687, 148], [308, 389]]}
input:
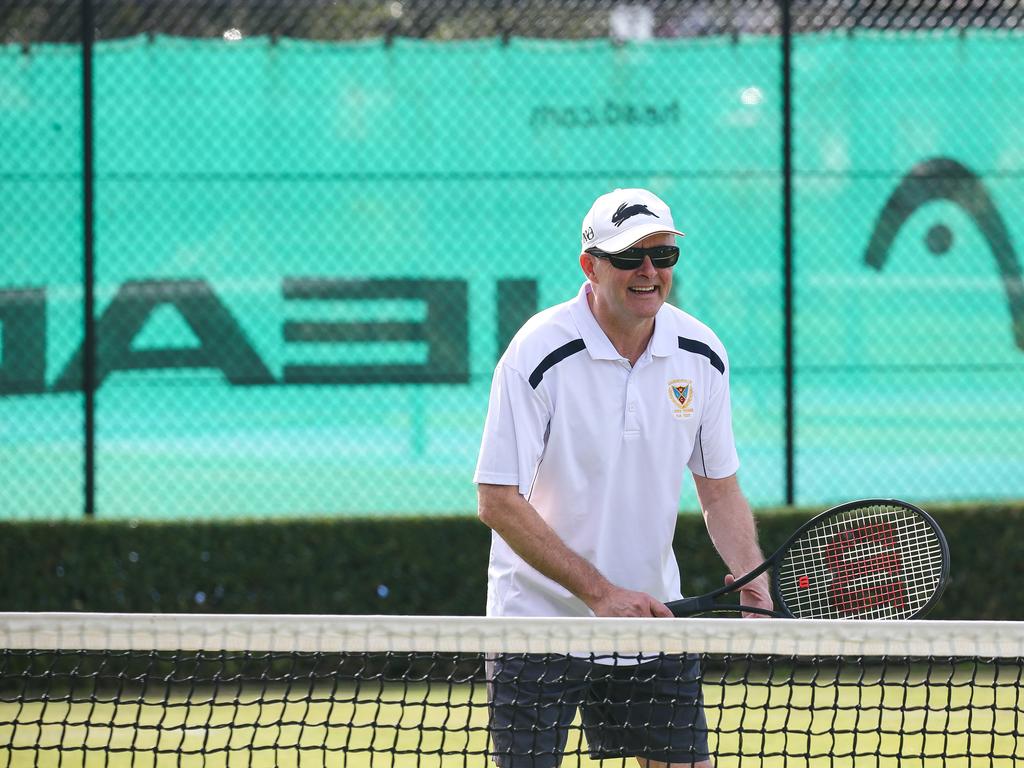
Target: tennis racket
{"points": [[870, 559]]}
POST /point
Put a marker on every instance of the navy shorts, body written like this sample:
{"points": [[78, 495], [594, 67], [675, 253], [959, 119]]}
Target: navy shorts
{"points": [[651, 710]]}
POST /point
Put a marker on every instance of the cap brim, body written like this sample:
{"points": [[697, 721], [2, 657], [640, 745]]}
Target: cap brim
{"points": [[632, 236]]}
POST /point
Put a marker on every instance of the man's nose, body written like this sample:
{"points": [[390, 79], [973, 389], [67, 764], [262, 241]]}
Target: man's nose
{"points": [[647, 268]]}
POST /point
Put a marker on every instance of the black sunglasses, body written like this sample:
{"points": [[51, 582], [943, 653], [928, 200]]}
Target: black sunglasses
{"points": [[662, 256]]}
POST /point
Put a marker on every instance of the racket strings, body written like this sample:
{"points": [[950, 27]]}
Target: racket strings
{"points": [[883, 562], [871, 571], [869, 574]]}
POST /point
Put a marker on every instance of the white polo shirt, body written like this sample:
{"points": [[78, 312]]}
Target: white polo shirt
{"points": [[598, 447]]}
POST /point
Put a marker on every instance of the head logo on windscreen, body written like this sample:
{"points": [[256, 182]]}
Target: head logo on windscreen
{"points": [[942, 178]]}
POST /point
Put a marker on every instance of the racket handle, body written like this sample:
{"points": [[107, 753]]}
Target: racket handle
{"points": [[691, 605]]}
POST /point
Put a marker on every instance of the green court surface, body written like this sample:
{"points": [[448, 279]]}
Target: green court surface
{"points": [[913, 717]]}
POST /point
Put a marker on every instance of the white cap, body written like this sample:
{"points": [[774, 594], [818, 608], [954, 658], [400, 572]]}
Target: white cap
{"points": [[625, 217]]}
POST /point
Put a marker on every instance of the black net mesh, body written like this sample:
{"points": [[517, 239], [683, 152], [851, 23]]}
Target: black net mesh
{"points": [[219, 708]]}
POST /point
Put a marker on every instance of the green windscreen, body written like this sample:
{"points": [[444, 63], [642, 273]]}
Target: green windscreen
{"points": [[310, 255]]}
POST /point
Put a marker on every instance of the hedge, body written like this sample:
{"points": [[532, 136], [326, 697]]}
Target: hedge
{"points": [[433, 565]]}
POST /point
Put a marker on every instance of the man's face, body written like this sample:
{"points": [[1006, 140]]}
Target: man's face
{"points": [[629, 296]]}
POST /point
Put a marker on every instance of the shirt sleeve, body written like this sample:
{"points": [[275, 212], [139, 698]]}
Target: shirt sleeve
{"points": [[714, 450], [514, 432]]}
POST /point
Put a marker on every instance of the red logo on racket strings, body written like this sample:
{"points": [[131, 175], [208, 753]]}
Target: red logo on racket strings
{"points": [[855, 587], [803, 582]]}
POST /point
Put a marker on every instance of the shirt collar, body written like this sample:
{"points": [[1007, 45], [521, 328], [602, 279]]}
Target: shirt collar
{"points": [[662, 343]]}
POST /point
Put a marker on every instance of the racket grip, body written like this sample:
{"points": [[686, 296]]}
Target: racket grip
{"points": [[691, 605]]}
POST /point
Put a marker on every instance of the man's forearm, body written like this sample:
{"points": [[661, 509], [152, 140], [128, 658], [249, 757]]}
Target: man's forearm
{"points": [[730, 525], [514, 519]]}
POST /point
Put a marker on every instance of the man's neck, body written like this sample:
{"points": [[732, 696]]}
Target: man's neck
{"points": [[629, 339]]}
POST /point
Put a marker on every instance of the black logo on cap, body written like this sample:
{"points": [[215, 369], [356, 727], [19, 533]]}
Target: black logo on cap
{"points": [[626, 211], [943, 178]]}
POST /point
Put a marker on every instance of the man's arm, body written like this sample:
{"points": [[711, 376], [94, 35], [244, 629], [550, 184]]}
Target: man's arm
{"points": [[730, 525], [507, 513]]}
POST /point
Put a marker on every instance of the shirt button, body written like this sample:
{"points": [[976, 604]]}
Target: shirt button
{"points": [[632, 406]]}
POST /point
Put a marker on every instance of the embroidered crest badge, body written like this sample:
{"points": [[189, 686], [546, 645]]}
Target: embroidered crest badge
{"points": [[680, 392]]}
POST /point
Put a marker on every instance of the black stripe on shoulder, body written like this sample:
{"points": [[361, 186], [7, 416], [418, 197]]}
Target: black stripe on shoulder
{"points": [[564, 351], [700, 348]]}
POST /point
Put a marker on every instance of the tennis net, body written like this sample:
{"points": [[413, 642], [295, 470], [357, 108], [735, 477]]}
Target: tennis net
{"points": [[202, 690]]}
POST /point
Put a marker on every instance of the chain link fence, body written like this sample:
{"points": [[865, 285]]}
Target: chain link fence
{"points": [[307, 230]]}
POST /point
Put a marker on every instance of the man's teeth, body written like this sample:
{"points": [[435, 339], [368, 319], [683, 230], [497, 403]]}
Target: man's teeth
{"points": [[648, 289]]}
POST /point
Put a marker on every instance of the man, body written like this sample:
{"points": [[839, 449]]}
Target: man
{"points": [[596, 407]]}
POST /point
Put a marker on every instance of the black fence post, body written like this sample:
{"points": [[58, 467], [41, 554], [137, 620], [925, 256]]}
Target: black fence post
{"points": [[787, 240], [88, 271]]}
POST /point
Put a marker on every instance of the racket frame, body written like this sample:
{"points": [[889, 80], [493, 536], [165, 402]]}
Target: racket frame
{"points": [[690, 606]]}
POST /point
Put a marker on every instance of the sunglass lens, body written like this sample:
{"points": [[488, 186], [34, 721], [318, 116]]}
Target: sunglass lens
{"points": [[662, 256], [633, 258], [668, 260]]}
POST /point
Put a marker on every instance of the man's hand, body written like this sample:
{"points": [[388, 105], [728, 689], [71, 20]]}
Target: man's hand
{"points": [[755, 594], [626, 602]]}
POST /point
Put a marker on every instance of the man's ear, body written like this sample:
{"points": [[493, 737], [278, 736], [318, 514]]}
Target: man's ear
{"points": [[587, 265]]}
